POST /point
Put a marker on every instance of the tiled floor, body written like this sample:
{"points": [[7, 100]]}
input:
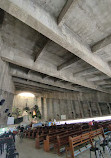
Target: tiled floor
{"points": [[27, 149]]}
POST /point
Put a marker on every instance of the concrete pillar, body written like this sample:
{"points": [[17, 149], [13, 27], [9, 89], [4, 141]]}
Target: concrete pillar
{"points": [[53, 109], [42, 107], [109, 108], [39, 104], [73, 109], [89, 108], [81, 108], [99, 109], [45, 109], [56, 109]]}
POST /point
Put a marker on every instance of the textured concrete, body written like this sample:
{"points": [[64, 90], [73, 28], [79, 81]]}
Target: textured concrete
{"points": [[6, 91], [23, 47], [32, 15], [38, 37], [20, 101]]}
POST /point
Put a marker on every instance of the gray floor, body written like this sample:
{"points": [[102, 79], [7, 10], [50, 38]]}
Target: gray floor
{"points": [[27, 149]]}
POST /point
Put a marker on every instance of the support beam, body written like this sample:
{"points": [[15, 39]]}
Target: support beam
{"points": [[41, 51], [86, 72], [101, 44], [35, 78], [104, 82], [8, 54], [21, 87], [43, 22], [39, 85], [109, 107], [65, 11], [68, 63], [106, 85], [97, 78], [2, 13], [45, 76], [28, 71], [99, 109]]}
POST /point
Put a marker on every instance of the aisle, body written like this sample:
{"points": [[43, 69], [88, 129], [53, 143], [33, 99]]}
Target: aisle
{"points": [[27, 149]]}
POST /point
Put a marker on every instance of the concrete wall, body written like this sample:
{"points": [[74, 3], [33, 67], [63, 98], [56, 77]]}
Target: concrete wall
{"points": [[21, 101], [6, 89], [75, 105]]}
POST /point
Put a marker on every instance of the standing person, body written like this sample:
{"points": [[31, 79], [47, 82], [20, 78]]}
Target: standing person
{"points": [[21, 132]]}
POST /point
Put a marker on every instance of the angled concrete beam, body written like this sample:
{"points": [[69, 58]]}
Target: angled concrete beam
{"points": [[97, 78], [9, 54], [2, 13], [26, 87], [58, 80], [40, 20], [45, 76], [106, 86], [86, 72], [35, 78], [39, 85], [100, 83], [68, 63], [28, 71], [101, 44], [65, 11], [22, 86], [41, 51]]}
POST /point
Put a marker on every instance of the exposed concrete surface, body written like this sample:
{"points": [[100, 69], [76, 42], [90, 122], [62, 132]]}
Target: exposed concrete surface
{"points": [[6, 90], [73, 105], [36, 46], [40, 20]]}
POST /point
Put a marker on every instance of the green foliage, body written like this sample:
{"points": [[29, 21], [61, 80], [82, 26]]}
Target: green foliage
{"points": [[16, 112], [37, 111]]}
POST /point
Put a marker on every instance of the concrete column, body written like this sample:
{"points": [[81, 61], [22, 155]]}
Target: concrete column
{"points": [[42, 107], [45, 109], [73, 109], [89, 108], [81, 108], [53, 109], [39, 104], [99, 109], [109, 108], [69, 109], [59, 110]]}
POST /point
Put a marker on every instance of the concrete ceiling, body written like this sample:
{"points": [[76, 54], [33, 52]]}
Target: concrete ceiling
{"points": [[57, 45]]}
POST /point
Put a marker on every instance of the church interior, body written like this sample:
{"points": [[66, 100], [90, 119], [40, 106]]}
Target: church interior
{"points": [[55, 79]]}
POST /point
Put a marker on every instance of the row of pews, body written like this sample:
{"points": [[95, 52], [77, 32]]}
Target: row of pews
{"points": [[67, 137]]}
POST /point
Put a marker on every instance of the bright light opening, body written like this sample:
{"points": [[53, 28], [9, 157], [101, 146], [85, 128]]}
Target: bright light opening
{"points": [[86, 120], [25, 94]]}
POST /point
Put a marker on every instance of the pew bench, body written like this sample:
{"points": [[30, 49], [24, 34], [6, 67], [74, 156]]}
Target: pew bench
{"points": [[83, 142], [51, 139], [63, 140]]}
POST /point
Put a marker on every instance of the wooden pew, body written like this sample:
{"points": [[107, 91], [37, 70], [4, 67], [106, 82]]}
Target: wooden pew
{"points": [[63, 140], [40, 138], [59, 139], [84, 139]]}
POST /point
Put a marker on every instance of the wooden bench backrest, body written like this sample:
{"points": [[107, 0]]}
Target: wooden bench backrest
{"points": [[84, 138], [97, 132], [80, 139]]}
